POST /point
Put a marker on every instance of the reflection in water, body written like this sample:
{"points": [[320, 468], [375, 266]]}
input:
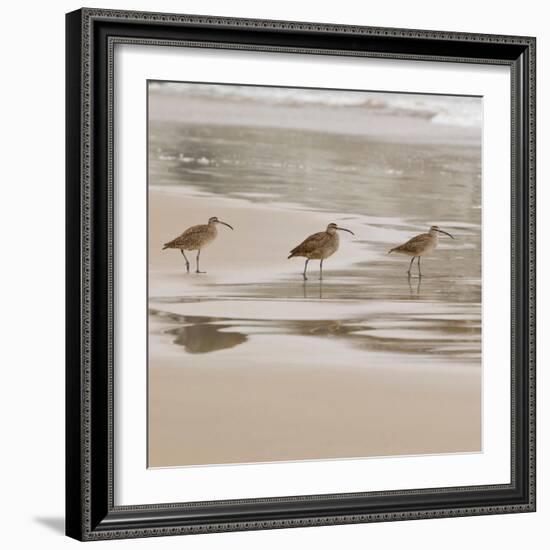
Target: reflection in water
{"points": [[434, 337], [313, 290], [414, 288], [373, 281], [452, 336], [202, 334], [204, 338]]}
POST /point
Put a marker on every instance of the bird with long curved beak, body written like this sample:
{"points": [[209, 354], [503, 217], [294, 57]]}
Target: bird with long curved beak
{"points": [[420, 246], [319, 246], [196, 238]]}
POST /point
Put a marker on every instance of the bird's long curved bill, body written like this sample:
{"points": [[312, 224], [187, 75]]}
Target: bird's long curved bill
{"points": [[225, 224], [344, 229], [445, 232]]}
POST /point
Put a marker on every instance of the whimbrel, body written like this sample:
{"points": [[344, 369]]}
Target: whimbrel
{"points": [[319, 246], [420, 246], [196, 238]]}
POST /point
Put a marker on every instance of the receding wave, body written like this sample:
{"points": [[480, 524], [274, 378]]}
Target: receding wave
{"points": [[450, 110]]}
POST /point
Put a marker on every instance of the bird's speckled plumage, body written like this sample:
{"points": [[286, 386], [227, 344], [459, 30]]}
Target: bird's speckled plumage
{"points": [[319, 246], [195, 237], [420, 245]]}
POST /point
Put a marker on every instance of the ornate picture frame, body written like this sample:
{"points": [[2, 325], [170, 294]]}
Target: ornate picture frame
{"points": [[91, 512]]}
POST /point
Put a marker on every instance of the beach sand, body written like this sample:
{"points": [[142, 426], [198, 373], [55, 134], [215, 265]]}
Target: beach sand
{"points": [[252, 413], [248, 363]]}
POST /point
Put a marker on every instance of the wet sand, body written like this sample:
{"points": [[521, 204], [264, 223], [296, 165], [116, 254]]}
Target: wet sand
{"points": [[248, 363]]}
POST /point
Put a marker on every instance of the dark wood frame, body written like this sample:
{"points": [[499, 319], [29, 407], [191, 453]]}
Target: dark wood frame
{"points": [[90, 510]]}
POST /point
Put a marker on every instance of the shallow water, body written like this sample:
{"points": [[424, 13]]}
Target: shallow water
{"points": [[422, 184], [392, 190]]}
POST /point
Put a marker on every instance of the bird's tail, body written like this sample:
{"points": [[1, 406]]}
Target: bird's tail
{"points": [[166, 245], [390, 251], [294, 252]]}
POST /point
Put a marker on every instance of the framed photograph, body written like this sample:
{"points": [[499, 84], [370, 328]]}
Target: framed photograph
{"points": [[300, 274]]}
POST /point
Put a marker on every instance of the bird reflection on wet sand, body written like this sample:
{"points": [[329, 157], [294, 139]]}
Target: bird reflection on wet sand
{"points": [[397, 333], [313, 290], [414, 288], [204, 337]]}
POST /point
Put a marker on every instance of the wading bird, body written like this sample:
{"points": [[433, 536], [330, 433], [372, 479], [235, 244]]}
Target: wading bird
{"points": [[196, 238], [420, 246], [319, 246]]}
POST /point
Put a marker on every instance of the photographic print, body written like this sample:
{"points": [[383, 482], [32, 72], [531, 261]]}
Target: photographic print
{"points": [[300, 267], [314, 274]]}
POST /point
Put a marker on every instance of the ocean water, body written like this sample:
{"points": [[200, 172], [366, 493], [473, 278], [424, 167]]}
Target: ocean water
{"points": [[336, 173], [463, 111]]}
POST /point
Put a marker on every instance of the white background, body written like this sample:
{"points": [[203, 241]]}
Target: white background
{"points": [[32, 229]]}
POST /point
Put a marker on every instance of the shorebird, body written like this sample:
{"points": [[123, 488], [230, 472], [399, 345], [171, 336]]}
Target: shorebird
{"points": [[196, 238], [420, 246], [319, 246]]}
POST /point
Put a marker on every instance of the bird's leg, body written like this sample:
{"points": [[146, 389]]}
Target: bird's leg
{"points": [[321, 271], [198, 257], [410, 266], [186, 260], [305, 269], [419, 272]]}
